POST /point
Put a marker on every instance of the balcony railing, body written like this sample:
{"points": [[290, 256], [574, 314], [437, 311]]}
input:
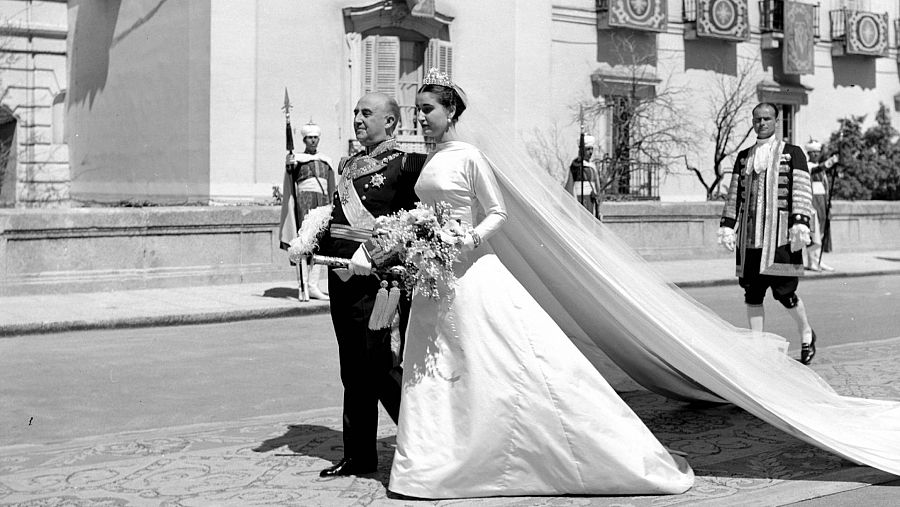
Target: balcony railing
{"points": [[689, 11], [897, 35], [838, 20], [630, 179], [771, 17], [412, 143]]}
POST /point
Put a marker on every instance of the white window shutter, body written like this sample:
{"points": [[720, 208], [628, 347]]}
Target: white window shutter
{"points": [[381, 64], [387, 65], [430, 56], [439, 55], [369, 48], [445, 58], [355, 58]]}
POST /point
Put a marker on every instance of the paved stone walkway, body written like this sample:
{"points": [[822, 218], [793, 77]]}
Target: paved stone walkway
{"points": [[275, 460]]}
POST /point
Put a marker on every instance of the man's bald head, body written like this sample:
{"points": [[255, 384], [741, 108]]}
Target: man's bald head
{"points": [[375, 118]]}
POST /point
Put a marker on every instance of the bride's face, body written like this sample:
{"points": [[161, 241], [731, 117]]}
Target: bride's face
{"points": [[434, 117]]}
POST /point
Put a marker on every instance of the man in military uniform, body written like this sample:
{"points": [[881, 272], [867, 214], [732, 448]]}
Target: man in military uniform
{"points": [[308, 184], [821, 233], [584, 179], [770, 203], [376, 181]]}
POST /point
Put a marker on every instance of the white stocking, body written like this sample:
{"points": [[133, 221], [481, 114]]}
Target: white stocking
{"points": [[756, 315], [798, 313]]}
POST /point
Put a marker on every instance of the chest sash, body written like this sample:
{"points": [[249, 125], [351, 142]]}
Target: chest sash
{"points": [[361, 165]]}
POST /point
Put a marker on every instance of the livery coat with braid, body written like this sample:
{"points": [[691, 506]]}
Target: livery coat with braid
{"points": [[787, 200]]}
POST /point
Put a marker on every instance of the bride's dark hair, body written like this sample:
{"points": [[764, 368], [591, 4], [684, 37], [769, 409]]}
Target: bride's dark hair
{"points": [[447, 97]]}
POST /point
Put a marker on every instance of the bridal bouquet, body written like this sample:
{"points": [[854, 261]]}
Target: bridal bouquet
{"points": [[426, 242]]}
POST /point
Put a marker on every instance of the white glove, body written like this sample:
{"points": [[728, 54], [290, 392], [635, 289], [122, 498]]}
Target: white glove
{"points": [[360, 263], [289, 160], [799, 236], [725, 237]]}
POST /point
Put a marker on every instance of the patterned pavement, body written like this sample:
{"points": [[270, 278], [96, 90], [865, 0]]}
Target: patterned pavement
{"points": [[275, 460]]}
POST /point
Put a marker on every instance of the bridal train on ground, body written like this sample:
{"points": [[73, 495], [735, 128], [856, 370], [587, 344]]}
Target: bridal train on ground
{"points": [[613, 305]]}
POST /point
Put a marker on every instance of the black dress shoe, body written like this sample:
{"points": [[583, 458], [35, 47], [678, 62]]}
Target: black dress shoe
{"points": [[346, 467], [808, 350]]}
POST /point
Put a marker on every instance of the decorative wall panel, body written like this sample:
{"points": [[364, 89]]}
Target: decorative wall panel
{"points": [[798, 53], [648, 15], [723, 19], [867, 33]]}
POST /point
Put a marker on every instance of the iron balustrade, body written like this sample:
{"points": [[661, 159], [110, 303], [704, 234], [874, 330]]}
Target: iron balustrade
{"points": [[771, 17], [897, 36], [838, 19], [689, 11], [630, 179]]}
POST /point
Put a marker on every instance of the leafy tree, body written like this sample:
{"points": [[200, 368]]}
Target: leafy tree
{"points": [[869, 162], [883, 139]]}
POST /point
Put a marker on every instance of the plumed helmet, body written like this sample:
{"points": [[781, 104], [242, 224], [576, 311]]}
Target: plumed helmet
{"points": [[813, 145]]}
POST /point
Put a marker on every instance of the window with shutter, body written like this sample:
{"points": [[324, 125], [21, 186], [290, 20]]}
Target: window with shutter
{"points": [[388, 65], [381, 64], [411, 74], [787, 122], [439, 55], [391, 44], [368, 64]]}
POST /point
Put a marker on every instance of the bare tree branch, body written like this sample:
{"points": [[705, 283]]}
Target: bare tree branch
{"points": [[650, 126], [729, 111], [547, 148]]}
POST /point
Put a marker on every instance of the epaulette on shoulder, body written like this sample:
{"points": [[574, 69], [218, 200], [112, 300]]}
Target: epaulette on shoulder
{"points": [[342, 163], [413, 162]]}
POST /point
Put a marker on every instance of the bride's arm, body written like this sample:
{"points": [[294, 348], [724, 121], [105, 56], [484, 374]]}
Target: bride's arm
{"points": [[487, 193]]}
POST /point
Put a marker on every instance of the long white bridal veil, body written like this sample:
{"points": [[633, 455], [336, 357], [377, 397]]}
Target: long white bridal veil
{"points": [[603, 295]]}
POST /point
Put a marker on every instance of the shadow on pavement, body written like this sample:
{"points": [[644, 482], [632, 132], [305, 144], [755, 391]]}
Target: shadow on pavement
{"points": [[327, 444], [727, 442], [281, 293], [306, 439], [720, 441]]}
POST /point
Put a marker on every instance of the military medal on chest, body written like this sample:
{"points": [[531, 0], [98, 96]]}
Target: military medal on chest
{"points": [[361, 167], [376, 181]]}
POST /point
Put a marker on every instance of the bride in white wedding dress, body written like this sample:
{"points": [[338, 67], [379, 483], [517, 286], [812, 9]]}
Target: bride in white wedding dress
{"points": [[498, 401]]}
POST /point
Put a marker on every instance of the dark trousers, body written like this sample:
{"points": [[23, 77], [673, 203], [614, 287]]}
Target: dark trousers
{"points": [[755, 284], [366, 364]]}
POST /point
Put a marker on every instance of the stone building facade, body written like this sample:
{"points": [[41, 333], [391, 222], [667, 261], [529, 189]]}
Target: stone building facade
{"points": [[177, 101], [34, 157]]}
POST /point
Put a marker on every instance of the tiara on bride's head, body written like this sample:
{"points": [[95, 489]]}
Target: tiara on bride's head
{"points": [[436, 77]]}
